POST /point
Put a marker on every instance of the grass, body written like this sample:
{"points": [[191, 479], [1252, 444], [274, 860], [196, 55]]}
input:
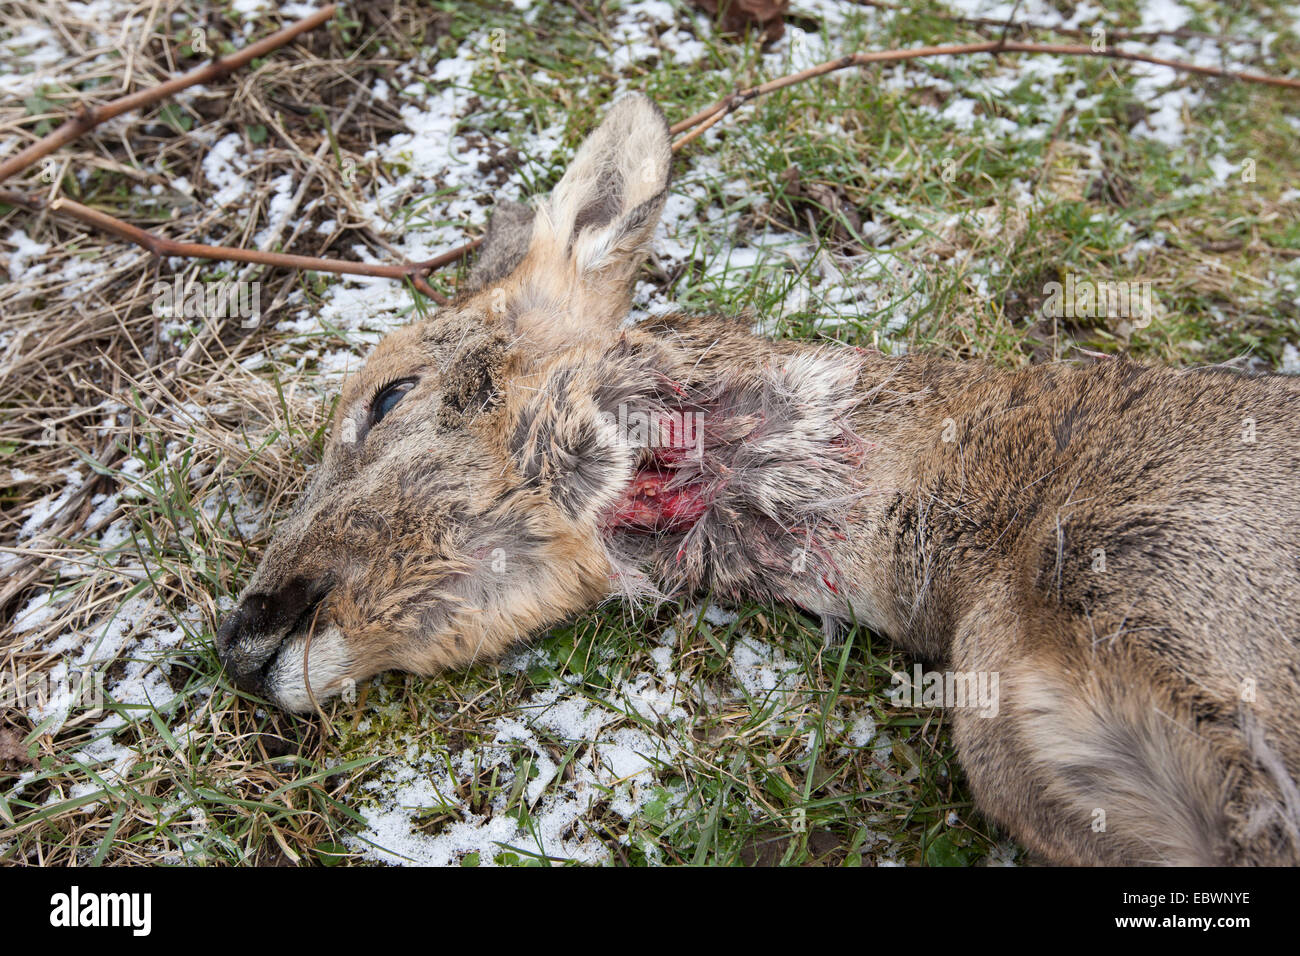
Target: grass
{"points": [[918, 212]]}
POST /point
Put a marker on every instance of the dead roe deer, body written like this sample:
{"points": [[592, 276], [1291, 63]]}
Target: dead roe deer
{"points": [[1117, 543]]}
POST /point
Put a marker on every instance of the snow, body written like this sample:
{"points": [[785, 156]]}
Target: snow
{"points": [[642, 31], [1290, 359], [863, 731], [618, 745], [720, 617], [613, 763], [282, 189], [31, 59], [39, 513], [224, 168], [37, 611], [250, 8], [25, 249], [762, 669], [1163, 15]]}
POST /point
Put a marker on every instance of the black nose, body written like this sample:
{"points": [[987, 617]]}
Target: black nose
{"points": [[252, 633]]}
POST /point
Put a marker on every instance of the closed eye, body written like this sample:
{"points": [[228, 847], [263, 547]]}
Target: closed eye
{"points": [[387, 397]]}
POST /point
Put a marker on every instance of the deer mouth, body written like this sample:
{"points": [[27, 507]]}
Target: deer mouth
{"points": [[249, 643]]}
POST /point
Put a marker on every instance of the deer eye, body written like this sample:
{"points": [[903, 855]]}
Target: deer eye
{"points": [[387, 397]]}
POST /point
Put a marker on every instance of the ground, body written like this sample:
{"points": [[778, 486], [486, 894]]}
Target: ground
{"points": [[146, 451]]}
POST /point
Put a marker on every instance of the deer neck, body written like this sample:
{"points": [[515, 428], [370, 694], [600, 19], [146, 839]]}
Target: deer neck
{"points": [[780, 480]]}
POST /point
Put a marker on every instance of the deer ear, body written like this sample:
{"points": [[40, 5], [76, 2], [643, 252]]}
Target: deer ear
{"points": [[591, 234], [505, 244], [603, 211]]}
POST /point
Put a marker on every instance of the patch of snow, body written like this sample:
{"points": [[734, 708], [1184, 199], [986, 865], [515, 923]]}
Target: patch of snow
{"points": [[1290, 360], [282, 189], [719, 617], [762, 669], [609, 769], [224, 167], [25, 249], [863, 731]]}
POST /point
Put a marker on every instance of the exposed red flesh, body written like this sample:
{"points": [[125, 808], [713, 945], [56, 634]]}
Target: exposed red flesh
{"points": [[649, 505]]}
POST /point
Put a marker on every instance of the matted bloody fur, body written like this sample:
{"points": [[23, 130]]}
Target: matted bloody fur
{"points": [[1117, 543]]}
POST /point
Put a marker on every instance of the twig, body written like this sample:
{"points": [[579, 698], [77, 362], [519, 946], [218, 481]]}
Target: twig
{"points": [[1112, 34], [584, 12], [208, 330], [162, 246], [702, 128], [732, 102], [88, 117]]}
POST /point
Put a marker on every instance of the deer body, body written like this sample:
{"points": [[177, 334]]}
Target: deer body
{"points": [[1118, 544]]}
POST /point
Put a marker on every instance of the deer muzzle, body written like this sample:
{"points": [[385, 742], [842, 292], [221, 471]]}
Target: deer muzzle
{"points": [[250, 636]]}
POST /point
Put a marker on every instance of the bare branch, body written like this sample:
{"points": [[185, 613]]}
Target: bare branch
{"points": [[417, 272], [1024, 25], [740, 97], [160, 246], [88, 117]]}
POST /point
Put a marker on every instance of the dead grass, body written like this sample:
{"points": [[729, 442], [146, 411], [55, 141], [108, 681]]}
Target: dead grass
{"points": [[172, 425]]}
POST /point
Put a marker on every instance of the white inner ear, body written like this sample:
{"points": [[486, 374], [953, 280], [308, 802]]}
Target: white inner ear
{"points": [[594, 249], [630, 143], [625, 163]]}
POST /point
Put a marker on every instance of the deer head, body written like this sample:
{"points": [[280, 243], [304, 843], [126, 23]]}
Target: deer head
{"points": [[471, 466]]}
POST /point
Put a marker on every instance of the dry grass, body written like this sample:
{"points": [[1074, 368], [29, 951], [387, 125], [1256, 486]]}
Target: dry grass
{"points": [[93, 380]]}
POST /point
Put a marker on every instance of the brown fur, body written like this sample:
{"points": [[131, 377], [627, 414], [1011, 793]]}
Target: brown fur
{"points": [[1117, 543]]}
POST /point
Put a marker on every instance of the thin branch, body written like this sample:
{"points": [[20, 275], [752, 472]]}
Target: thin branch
{"points": [[88, 117], [1111, 33], [161, 246], [703, 127], [740, 97]]}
